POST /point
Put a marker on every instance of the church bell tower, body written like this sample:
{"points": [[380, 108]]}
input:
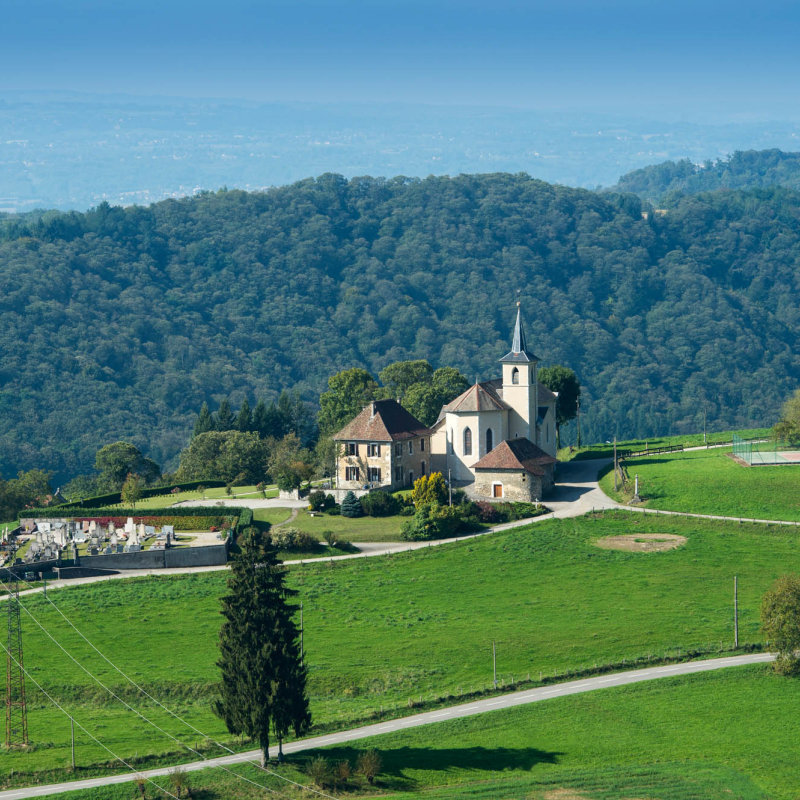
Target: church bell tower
{"points": [[520, 389]]}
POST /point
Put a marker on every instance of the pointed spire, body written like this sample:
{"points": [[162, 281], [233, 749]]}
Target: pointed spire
{"points": [[519, 347], [518, 344]]}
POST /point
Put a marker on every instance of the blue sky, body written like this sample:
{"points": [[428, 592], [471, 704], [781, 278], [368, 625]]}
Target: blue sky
{"points": [[668, 58]]}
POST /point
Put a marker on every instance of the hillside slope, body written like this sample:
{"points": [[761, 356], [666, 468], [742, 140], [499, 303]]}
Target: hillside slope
{"points": [[118, 323], [749, 169]]}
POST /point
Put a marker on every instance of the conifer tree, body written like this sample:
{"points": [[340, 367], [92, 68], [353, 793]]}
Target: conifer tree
{"points": [[225, 418], [204, 422], [260, 419], [263, 674], [351, 506], [244, 419]]}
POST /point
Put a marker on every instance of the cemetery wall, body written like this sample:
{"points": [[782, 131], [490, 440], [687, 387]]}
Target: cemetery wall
{"points": [[210, 556], [144, 559], [213, 555]]}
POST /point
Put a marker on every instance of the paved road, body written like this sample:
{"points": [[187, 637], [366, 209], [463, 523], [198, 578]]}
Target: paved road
{"points": [[524, 697]]}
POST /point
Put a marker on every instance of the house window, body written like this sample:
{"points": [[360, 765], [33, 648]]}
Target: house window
{"points": [[422, 470], [352, 449], [375, 474], [373, 450], [411, 448], [489, 440], [467, 442], [422, 445], [398, 449], [515, 376], [351, 474], [398, 474]]}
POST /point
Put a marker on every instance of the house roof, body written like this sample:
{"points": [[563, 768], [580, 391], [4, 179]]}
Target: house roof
{"points": [[479, 397], [382, 421], [545, 395], [516, 454]]}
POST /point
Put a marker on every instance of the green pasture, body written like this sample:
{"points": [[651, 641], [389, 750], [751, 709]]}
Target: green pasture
{"points": [[715, 736], [709, 482], [606, 450], [359, 529], [216, 493], [381, 632]]}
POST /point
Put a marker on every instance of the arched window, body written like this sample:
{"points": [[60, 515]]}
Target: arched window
{"points": [[489, 440], [467, 442], [515, 375], [533, 375], [452, 445]]}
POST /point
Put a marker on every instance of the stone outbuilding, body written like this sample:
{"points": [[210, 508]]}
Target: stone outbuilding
{"points": [[515, 470]]}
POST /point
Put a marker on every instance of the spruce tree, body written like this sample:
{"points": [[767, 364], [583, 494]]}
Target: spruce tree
{"points": [[263, 675], [204, 422], [351, 506], [260, 419], [244, 419], [225, 418]]}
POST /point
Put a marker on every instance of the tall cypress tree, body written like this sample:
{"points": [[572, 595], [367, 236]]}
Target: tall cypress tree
{"points": [[260, 418], [204, 422], [244, 419], [263, 675], [225, 418]]}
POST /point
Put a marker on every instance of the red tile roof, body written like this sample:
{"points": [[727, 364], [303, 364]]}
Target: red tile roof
{"points": [[479, 397], [517, 454], [382, 421]]}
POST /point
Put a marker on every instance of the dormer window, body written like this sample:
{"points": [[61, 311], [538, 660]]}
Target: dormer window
{"points": [[515, 376]]}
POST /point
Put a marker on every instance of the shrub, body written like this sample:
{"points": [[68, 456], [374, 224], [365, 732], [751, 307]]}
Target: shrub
{"points": [[319, 770], [407, 511], [380, 504], [343, 544], [334, 510], [370, 765], [351, 506], [342, 772], [329, 537], [293, 539], [486, 512], [429, 490], [431, 522], [316, 500]]}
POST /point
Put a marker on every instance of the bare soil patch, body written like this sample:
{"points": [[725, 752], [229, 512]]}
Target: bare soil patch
{"points": [[642, 542]]}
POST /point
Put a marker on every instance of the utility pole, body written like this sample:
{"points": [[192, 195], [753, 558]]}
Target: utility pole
{"points": [[72, 731], [579, 421], [450, 487], [615, 463], [736, 611], [705, 411], [301, 634], [494, 662], [16, 708]]}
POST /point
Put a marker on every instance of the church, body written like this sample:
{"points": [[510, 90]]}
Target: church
{"points": [[496, 440]]}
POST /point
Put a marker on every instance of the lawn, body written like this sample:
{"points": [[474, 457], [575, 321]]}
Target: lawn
{"points": [[709, 482], [606, 450], [360, 529], [217, 493], [382, 631], [714, 736]]}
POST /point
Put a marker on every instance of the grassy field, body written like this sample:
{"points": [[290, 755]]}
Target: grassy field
{"points": [[606, 450], [360, 529], [379, 632], [709, 482], [714, 736]]}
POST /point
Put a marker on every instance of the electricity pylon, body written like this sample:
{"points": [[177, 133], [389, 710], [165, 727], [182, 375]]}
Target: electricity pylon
{"points": [[16, 710]]}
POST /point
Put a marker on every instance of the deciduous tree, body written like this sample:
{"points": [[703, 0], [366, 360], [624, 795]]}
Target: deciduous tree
{"points": [[780, 620], [565, 382]]}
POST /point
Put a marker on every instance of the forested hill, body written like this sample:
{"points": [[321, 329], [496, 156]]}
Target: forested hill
{"points": [[749, 169], [119, 323]]}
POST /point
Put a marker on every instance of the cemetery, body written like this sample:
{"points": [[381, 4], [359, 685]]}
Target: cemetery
{"points": [[69, 546]]}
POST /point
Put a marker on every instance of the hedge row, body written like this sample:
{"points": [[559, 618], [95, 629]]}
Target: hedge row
{"points": [[243, 516], [153, 491]]}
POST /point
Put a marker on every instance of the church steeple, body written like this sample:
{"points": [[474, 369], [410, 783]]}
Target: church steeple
{"points": [[519, 351]]}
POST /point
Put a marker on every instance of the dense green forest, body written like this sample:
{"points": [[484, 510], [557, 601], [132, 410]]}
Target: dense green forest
{"points": [[665, 183], [118, 324]]}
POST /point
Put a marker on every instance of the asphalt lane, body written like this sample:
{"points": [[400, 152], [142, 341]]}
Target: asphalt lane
{"points": [[511, 700]]}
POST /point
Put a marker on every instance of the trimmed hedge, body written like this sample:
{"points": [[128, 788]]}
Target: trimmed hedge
{"points": [[102, 500], [242, 516]]}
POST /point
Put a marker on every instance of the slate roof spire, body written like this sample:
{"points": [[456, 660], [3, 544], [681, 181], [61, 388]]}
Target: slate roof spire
{"points": [[519, 349]]}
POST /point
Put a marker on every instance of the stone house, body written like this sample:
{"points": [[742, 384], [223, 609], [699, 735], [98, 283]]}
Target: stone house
{"points": [[384, 447]]}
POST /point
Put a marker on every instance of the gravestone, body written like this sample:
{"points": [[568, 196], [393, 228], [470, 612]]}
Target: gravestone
{"points": [[93, 551], [149, 531], [129, 526]]}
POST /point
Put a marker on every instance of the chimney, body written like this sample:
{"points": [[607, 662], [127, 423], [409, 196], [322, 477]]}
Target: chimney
{"points": [[372, 410]]}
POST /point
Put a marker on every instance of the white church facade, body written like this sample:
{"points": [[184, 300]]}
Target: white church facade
{"points": [[496, 440]]}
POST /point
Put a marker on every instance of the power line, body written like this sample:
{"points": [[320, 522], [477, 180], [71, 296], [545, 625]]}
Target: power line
{"points": [[161, 705], [169, 711], [131, 708], [94, 738]]}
